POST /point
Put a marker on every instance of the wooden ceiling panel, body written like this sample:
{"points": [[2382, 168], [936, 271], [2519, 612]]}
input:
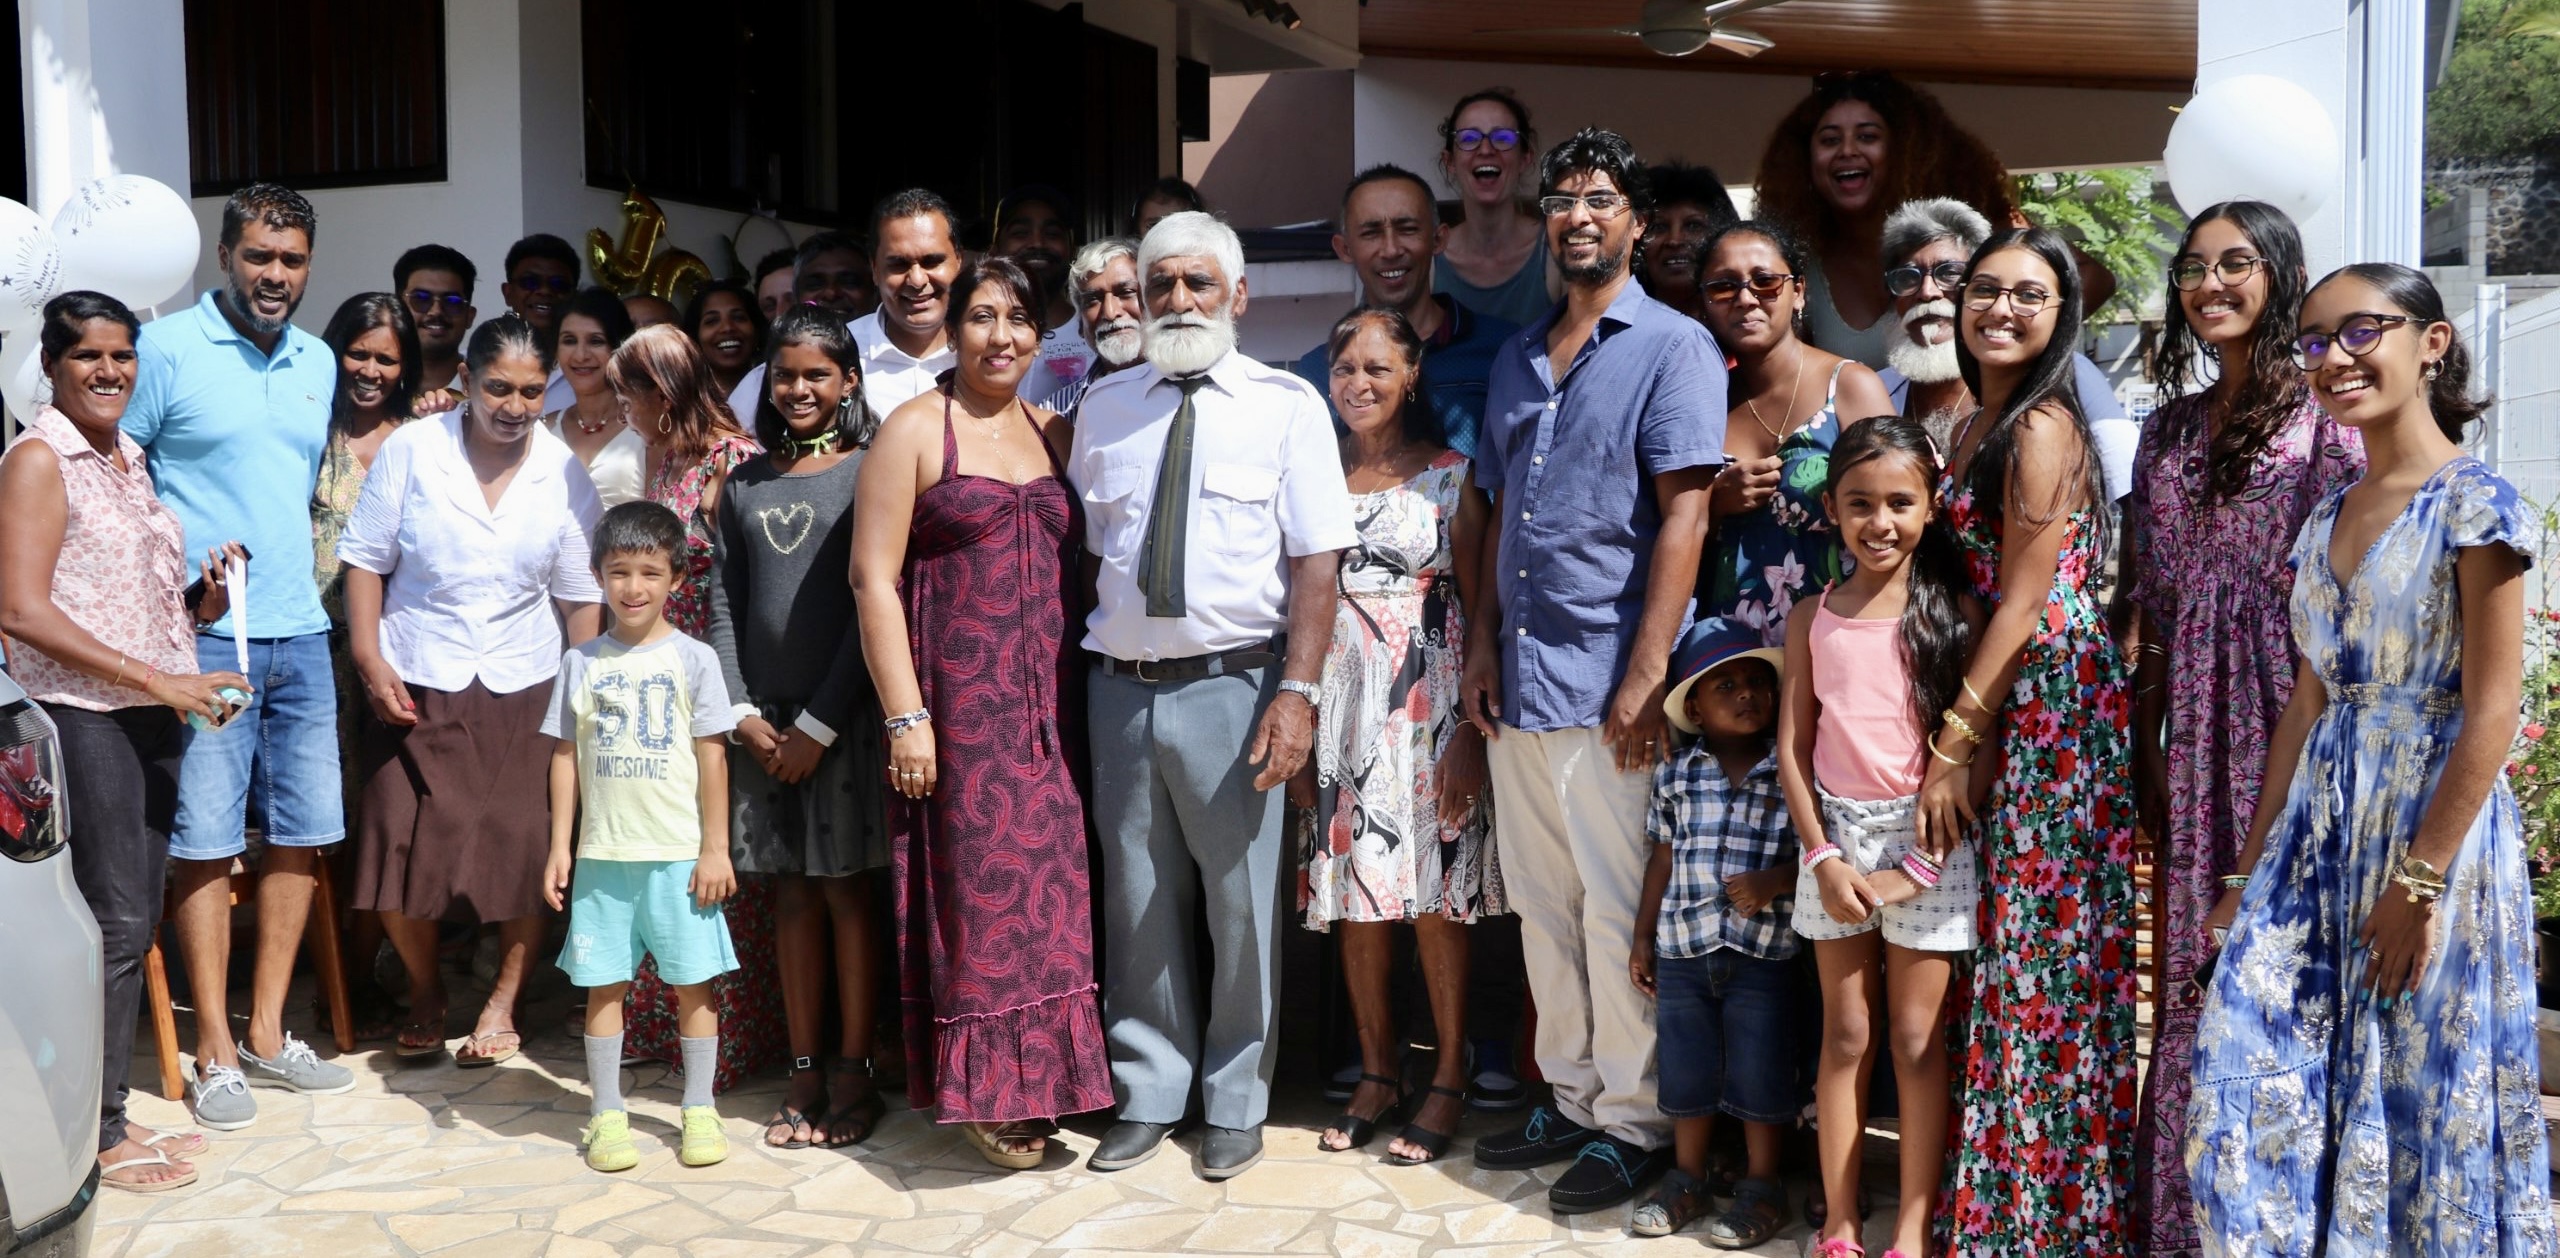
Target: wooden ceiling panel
{"points": [[2082, 43]]}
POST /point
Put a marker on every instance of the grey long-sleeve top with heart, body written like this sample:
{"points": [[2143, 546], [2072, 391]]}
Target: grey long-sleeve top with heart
{"points": [[782, 617]]}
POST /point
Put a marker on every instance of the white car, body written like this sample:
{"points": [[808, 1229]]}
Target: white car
{"points": [[51, 998]]}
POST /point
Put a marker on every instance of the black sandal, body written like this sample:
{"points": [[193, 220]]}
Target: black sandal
{"points": [[790, 1118], [1360, 1131], [1434, 1143], [865, 1111]]}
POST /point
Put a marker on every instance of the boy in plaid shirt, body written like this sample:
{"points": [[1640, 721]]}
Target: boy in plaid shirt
{"points": [[1712, 943]]}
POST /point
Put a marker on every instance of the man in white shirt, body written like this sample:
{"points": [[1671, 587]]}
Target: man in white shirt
{"points": [[1215, 515], [831, 272], [1035, 226], [914, 259]]}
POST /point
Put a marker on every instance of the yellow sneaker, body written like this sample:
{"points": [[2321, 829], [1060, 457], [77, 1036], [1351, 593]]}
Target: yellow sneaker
{"points": [[705, 1143], [608, 1142]]}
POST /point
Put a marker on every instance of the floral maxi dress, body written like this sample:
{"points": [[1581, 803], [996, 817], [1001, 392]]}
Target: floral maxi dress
{"points": [[2210, 571], [2323, 1123], [1376, 848], [2042, 1146]]}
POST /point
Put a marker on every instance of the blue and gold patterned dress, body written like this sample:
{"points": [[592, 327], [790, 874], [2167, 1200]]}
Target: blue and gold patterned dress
{"points": [[2322, 1123]]}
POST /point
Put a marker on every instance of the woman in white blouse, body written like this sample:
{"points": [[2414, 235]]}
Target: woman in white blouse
{"points": [[595, 325], [471, 529]]}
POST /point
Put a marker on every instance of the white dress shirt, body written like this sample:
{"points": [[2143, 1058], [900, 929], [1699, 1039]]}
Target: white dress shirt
{"points": [[467, 589], [744, 399], [890, 376], [1266, 483]]}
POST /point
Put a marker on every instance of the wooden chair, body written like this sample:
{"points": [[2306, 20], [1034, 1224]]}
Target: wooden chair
{"points": [[320, 934]]}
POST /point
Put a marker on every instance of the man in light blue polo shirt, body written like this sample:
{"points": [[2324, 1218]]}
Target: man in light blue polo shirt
{"points": [[232, 404]]}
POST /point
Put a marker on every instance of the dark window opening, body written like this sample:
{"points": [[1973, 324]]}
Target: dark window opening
{"points": [[314, 93]]}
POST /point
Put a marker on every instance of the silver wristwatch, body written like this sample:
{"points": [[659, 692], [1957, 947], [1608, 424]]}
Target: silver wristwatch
{"points": [[1306, 690]]}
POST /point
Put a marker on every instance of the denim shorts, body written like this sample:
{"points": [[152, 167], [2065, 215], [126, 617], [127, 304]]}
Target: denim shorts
{"points": [[277, 757], [621, 909], [1728, 1028]]}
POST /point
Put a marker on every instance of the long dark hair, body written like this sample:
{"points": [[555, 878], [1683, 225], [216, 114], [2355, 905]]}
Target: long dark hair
{"points": [[1937, 642], [2049, 377], [1419, 419], [830, 335], [2449, 394], [358, 315], [2275, 387]]}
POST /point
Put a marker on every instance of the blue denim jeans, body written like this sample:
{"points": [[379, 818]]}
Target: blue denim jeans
{"points": [[278, 756], [1728, 1026]]}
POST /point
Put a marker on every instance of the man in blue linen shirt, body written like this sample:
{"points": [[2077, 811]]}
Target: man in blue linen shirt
{"points": [[1600, 473], [1390, 234], [232, 403]]}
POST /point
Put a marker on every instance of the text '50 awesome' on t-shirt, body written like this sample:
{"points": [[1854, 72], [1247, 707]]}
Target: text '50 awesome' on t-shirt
{"points": [[634, 713]]}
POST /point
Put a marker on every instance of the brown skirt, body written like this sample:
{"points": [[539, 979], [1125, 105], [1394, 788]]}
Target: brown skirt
{"points": [[457, 808]]}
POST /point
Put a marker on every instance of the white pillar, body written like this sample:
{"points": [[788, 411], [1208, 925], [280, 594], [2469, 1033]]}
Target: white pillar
{"points": [[2391, 170], [89, 116]]}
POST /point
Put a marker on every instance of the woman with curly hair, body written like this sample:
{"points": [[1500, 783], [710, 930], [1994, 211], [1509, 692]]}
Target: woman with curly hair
{"points": [[1838, 163]]}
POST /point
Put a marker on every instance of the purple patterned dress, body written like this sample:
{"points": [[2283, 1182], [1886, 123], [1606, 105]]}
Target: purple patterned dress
{"points": [[995, 900], [2213, 576]]}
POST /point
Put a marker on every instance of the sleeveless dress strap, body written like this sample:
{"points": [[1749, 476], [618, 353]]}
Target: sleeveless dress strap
{"points": [[1831, 400], [1056, 468], [950, 442]]}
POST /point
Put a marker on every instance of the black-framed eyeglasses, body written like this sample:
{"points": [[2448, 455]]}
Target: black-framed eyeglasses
{"points": [[2358, 335], [1763, 285], [2027, 299], [1601, 205], [1503, 139], [422, 300], [2188, 275], [556, 283], [1904, 280]]}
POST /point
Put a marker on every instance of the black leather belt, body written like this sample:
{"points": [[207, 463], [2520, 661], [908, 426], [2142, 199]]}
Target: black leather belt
{"points": [[1191, 667]]}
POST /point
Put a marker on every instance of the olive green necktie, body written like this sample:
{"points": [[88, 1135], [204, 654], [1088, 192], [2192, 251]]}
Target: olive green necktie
{"points": [[1169, 518]]}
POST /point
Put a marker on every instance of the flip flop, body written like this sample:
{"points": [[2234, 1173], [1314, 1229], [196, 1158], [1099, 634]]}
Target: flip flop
{"points": [[432, 1031], [107, 1174], [473, 1056], [177, 1144], [867, 1111], [787, 1120]]}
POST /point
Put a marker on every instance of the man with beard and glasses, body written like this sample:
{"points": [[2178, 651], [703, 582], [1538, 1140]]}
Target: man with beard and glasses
{"points": [[1926, 246], [1215, 515], [1035, 226], [1390, 235], [232, 403], [1603, 426], [436, 283], [830, 271], [914, 259], [1111, 315]]}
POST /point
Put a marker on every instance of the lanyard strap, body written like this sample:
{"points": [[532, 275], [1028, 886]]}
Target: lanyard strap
{"points": [[235, 580]]}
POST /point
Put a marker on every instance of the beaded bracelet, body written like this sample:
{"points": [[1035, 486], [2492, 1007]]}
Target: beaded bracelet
{"points": [[2235, 882], [1921, 869], [904, 721], [1820, 854]]}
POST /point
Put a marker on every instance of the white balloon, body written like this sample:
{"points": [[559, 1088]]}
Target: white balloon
{"points": [[2254, 137], [22, 380], [30, 267], [128, 237]]}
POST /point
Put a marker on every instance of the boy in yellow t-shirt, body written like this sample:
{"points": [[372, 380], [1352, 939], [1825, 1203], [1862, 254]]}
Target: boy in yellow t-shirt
{"points": [[640, 714]]}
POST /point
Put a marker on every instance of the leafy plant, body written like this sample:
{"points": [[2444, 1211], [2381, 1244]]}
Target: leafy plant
{"points": [[2499, 96], [2533, 767], [2114, 218]]}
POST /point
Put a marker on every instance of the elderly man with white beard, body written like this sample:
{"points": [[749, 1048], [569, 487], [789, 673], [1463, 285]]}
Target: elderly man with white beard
{"points": [[1111, 314], [1214, 517], [1926, 246]]}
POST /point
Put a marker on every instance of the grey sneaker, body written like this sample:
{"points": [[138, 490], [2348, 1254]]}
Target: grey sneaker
{"points": [[221, 1098], [298, 1068]]}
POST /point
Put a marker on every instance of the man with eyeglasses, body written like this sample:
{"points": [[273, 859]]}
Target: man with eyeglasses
{"points": [[436, 283], [1603, 427], [1391, 235], [1926, 246]]}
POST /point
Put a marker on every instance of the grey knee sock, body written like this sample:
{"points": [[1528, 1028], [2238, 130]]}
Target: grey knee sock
{"points": [[701, 1061], [604, 1073]]}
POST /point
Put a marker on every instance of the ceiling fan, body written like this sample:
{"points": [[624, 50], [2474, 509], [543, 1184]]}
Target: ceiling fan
{"points": [[1676, 28]]}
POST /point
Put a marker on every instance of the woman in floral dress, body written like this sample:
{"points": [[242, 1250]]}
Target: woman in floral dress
{"points": [[2221, 485], [694, 443], [2043, 1156], [1771, 544], [2367, 1072], [1400, 828]]}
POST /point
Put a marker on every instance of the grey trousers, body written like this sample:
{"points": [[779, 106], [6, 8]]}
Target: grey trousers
{"points": [[1183, 830]]}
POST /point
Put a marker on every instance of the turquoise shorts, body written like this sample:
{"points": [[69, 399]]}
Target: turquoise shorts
{"points": [[621, 909]]}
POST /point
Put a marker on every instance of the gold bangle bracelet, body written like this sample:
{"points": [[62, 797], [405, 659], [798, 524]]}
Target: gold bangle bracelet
{"points": [[1961, 764], [1976, 696], [1962, 726], [120, 666]]}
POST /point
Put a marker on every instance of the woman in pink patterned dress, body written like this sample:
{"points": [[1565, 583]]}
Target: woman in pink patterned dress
{"points": [[2222, 482], [694, 443], [964, 542]]}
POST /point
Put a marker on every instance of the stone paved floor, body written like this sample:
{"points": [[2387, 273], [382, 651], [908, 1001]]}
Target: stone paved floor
{"points": [[431, 1158]]}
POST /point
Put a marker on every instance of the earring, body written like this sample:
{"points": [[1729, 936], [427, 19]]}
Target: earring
{"points": [[844, 409], [2435, 369], [667, 422]]}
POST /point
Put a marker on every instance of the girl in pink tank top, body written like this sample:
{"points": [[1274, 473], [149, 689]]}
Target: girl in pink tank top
{"points": [[1872, 666]]}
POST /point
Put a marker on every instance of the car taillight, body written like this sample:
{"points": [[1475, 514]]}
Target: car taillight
{"points": [[32, 821]]}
